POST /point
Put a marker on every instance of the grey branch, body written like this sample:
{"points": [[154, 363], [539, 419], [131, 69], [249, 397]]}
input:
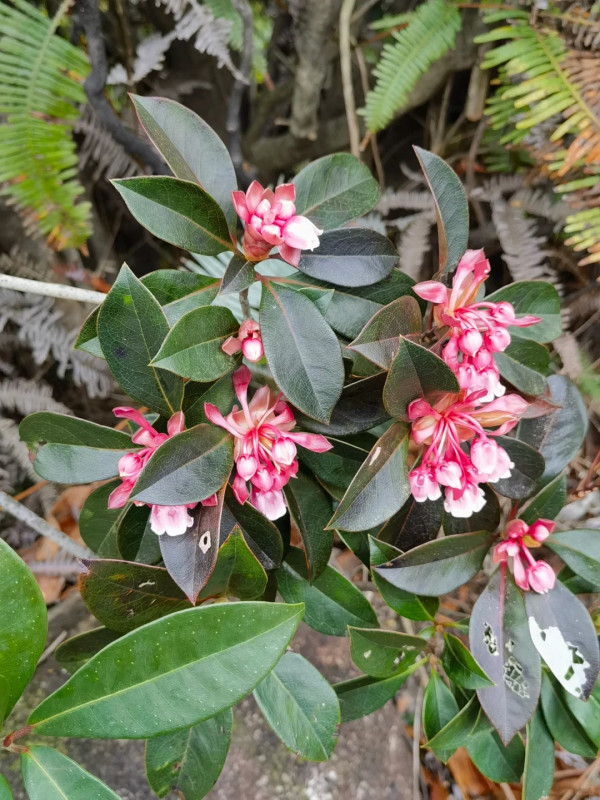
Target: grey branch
{"points": [[60, 290]]}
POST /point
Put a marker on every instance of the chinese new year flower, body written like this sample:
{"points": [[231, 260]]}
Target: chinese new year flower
{"points": [[172, 520], [271, 221], [519, 538], [443, 429], [248, 340], [478, 327], [265, 445]]}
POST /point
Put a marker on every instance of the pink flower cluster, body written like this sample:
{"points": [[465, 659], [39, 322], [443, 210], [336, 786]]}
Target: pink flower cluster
{"points": [[478, 328], [443, 428], [172, 520], [248, 340], [518, 538], [265, 445], [271, 221]]}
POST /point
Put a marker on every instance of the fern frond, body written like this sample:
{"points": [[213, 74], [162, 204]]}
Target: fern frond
{"points": [[408, 199], [41, 78], [583, 231], [415, 243], [430, 33], [581, 25], [100, 152]]}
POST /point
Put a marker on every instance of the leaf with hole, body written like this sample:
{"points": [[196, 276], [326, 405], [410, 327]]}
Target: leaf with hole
{"points": [[460, 666], [383, 653]]}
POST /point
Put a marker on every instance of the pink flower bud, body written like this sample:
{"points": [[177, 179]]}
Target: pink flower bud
{"points": [[284, 451], [299, 232], [541, 577], [130, 466], [253, 349], [541, 530]]}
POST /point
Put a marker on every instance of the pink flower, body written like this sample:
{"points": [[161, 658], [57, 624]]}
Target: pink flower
{"points": [[271, 221], [478, 327], [248, 340], [265, 445], [518, 539], [172, 520]]}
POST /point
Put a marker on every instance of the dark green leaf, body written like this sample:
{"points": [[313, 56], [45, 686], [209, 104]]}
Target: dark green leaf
{"points": [[526, 473], [203, 661], [457, 731], [580, 550], [438, 567], [171, 285], [187, 468], [563, 725], [203, 297], [332, 602], [524, 363], [451, 208], [460, 666], [189, 761], [558, 436], [406, 604], [383, 653], [99, 524], [350, 257], [72, 450], [533, 297], [123, 595], [193, 347], [237, 572], [379, 339], [334, 190], [565, 637], [301, 707], [302, 351], [415, 372], [87, 339], [5, 792], [415, 524], [361, 696], [499, 762], [131, 329], [78, 650], [179, 212], [487, 519], [262, 536], [220, 393], [50, 775], [501, 644], [538, 775], [310, 509], [439, 705], [336, 468], [358, 409], [547, 503], [23, 629], [380, 487], [190, 147], [191, 557], [576, 584], [238, 276], [587, 713], [358, 543], [136, 539]]}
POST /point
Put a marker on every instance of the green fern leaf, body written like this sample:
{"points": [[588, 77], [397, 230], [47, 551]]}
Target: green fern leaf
{"points": [[41, 78], [430, 33]]}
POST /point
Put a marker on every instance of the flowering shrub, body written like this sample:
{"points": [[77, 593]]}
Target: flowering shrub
{"points": [[372, 397]]}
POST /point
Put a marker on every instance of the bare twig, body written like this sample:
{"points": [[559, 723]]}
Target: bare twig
{"points": [[245, 304], [364, 78], [470, 172], [59, 290], [416, 750], [233, 124], [346, 68]]}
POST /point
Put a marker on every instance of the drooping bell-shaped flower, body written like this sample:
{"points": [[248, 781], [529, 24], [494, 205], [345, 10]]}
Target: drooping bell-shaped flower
{"points": [[248, 340], [518, 540]]}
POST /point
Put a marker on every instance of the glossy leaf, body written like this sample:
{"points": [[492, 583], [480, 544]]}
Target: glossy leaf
{"points": [[406, 604], [23, 628], [580, 550], [302, 351], [457, 731], [5, 792], [237, 572], [175, 310], [71, 450], [587, 713], [538, 775], [380, 487], [220, 393], [439, 705], [548, 502], [179, 212], [565, 637], [487, 519], [415, 524], [204, 660], [562, 724], [451, 208], [383, 653], [78, 650], [262, 536], [533, 297], [301, 707], [332, 602], [189, 761], [239, 275], [379, 340], [191, 557], [193, 347], [171, 285], [50, 775], [190, 147], [501, 644], [187, 468], [87, 338], [460, 666], [526, 473], [558, 436], [498, 761], [524, 363], [415, 372], [358, 409], [123, 595], [336, 468], [99, 524], [334, 190], [438, 567], [310, 509], [350, 257], [136, 539], [131, 329], [359, 697]]}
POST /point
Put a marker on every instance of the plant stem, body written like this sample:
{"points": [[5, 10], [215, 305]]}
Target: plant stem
{"points": [[245, 304], [24, 514], [346, 68], [60, 290]]}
